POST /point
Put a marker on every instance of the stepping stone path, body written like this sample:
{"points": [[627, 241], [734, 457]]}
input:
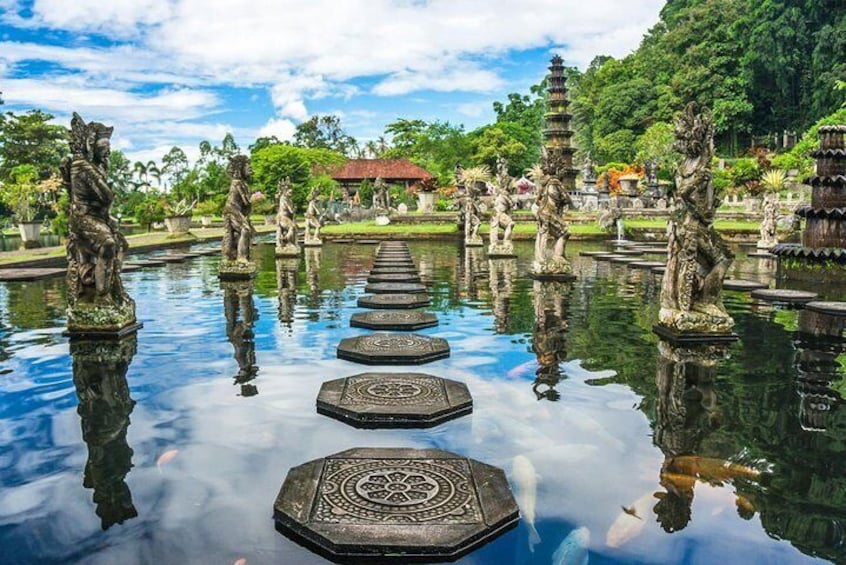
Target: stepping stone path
{"points": [[831, 308], [396, 400], [784, 296], [608, 257], [629, 252], [592, 253], [624, 259], [645, 264], [33, 274], [741, 284], [412, 504], [146, 263], [369, 504], [760, 255]]}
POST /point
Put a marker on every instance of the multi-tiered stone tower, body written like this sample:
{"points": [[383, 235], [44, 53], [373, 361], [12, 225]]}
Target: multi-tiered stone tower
{"points": [[822, 254], [557, 147]]}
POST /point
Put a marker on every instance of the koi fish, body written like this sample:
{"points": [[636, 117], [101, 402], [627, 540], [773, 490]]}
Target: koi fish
{"points": [[166, 457], [526, 479], [629, 523], [574, 549], [711, 469]]}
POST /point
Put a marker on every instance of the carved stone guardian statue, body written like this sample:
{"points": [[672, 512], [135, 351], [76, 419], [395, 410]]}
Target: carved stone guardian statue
{"points": [[691, 291], [769, 222], [98, 305], [312, 222], [501, 216], [472, 220], [551, 203], [286, 225], [237, 229]]}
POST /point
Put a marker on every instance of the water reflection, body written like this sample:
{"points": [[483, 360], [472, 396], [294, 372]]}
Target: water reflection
{"points": [[286, 282], [241, 316], [502, 273], [99, 376], [549, 337], [819, 343], [312, 269], [473, 271]]}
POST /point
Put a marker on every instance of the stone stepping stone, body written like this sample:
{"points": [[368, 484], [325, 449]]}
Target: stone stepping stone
{"points": [[145, 263], [366, 504], [393, 349], [784, 296], [128, 268], [394, 400], [607, 257], [395, 288], [393, 270], [393, 320], [645, 264], [393, 301], [832, 308], [760, 255], [368, 241], [394, 257], [623, 259], [742, 284], [343, 240], [172, 258], [650, 251], [628, 252], [659, 270], [31, 274], [592, 253], [389, 264], [394, 277]]}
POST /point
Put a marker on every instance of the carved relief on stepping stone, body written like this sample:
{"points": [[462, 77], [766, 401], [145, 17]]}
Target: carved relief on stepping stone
{"points": [[784, 296], [393, 349], [393, 301], [395, 288], [644, 264], [34, 274], [394, 400], [740, 284], [394, 277], [410, 504], [393, 320]]}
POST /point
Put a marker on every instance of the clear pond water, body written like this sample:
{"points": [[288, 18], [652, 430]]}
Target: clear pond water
{"points": [[171, 448]]}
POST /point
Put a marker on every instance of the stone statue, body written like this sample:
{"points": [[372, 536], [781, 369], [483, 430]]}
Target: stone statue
{"points": [[691, 300], [286, 282], [237, 229], [381, 198], [286, 224], [241, 315], [588, 171], [501, 217], [769, 222], [551, 203], [99, 376], [97, 301], [472, 221], [549, 336], [312, 222]]}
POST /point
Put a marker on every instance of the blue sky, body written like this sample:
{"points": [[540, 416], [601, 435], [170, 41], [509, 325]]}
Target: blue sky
{"points": [[175, 72]]}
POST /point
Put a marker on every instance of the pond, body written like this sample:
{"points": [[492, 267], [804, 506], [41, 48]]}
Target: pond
{"points": [[171, 448]]}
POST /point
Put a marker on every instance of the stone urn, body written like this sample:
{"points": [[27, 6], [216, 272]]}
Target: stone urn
{"points": [[206, 221], [177, 225], [426, 202], [29, 234]]}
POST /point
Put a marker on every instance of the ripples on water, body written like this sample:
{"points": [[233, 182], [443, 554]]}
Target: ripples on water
{"points": [[180, 461]]}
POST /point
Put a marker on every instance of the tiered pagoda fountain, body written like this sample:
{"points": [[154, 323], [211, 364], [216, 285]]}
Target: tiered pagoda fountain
{"points": [[822, 254], [558, 149]]}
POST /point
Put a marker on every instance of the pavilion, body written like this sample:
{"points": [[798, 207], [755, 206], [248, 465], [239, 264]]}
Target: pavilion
{"points": [[392, 171]]}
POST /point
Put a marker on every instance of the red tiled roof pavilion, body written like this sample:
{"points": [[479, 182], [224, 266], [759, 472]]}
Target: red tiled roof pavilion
{"points": [[391, 171]]}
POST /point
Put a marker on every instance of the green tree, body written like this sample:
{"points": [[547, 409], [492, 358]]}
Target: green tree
{"points": [[30, 139], [491, 142], [656, 144], [324, 132]]}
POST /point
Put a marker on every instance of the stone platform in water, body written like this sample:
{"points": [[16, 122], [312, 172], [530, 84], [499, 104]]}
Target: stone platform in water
{"points": [[33, 274], [394, 301], [645, 264], [831, 308], [365, 505], [741, 284], [392, 270], [394, 277], [607, 257], [624, 260], [658, 270], [393, 349], [693, 338], [145, 263], [784, 296], [629, 252], [393, 320], [761, 255], [395, 288], [592, 253], [368, 241], [180, 258], [394, 400]]}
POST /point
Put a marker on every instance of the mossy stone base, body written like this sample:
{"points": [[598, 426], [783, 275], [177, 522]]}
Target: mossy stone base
{"points": [[101, 319], [237, 270], [288, 251]]}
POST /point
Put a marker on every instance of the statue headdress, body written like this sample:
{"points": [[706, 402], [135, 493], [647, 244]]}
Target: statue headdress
{"points": [[83, 137]]}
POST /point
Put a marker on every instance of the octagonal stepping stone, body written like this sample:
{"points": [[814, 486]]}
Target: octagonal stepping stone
{"points": [[393, 349], [760, 255], [393, 258], [623, 259], [393, 301], [592, 253], [394, 400], [393, 320], [344, 240], [607, 257], [645, 264], [367, 504], [629, 252], [31, 274], [395, 288], [832, 308], [368, 241], [741, 284], [172, 258], [784, 296], [659, 270], [146, 263], [395, 277], [130, 268], [390, 270]]}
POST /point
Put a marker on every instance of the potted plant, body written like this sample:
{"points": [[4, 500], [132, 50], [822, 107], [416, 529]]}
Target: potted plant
{"points": [[178, 216], [22, 194], [427, 195], [207, 209], [263, 205]]}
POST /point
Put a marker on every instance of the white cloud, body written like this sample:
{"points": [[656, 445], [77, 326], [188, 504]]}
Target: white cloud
{"points": [[281, 128], [473, 109]]}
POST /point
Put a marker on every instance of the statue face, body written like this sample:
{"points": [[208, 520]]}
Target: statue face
{"points": [[102, 150]]}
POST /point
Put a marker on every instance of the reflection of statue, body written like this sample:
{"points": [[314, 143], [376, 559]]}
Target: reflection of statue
{"points": [[312, 222], [472, 221], [237, 229], [549, 337], [286, 225], [551, 202], [312, 269], [501, 282], [241, 315], [286, 280], [769, 222], [99, 376], [473, 271], [381, 197], [97, 301], [501, 216], [698, 258], [819, 344]]}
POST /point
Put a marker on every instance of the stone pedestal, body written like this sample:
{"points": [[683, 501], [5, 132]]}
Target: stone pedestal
{"points": [[237, 270], [474, 242], [288, 251], [313, 242], [554, 269], [426, 202], [501, 250]]}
